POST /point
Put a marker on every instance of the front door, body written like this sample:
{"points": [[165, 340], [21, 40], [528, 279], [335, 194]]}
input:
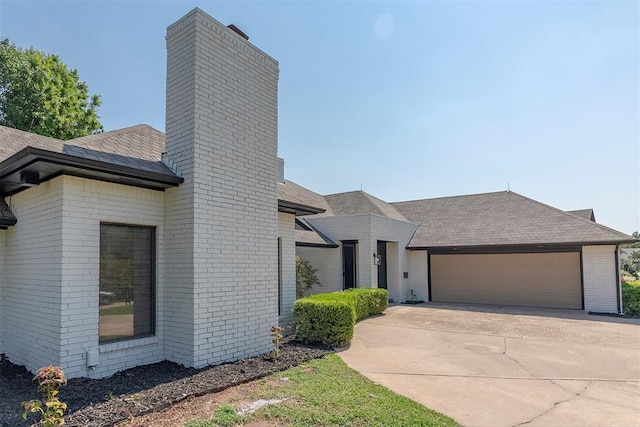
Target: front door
{"points": [[349, 264], [382, 267]]}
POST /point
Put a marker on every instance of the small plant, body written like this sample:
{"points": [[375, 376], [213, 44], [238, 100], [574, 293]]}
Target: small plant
{"points": [[412, 296], [306, 276], [225, 416], [49, 379], [276, 337]]}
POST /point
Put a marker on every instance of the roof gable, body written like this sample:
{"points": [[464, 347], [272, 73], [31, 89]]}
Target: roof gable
{"points": [[502, 218]]}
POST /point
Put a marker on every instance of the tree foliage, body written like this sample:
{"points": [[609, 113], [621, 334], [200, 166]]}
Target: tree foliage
{"points": [[40, 94], [635, 235], [306, 276]]}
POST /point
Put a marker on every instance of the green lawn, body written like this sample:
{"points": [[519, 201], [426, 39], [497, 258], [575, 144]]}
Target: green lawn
{"points": [[635, 283], [121, 309], [326, 392]]}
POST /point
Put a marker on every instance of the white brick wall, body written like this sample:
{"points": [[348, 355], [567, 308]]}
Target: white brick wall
{"points": [[367, 229], [327, 262], [87, 203], [286, 228], [222, 224], [418, 276], [600, 279], [51, 275], [32, 277]]}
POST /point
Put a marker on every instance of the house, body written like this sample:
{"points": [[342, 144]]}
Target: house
{"points": [[131, 247], [495, 248]]}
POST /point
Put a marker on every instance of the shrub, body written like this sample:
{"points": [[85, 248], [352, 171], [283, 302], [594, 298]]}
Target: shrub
{"points": [[630, 299], [368, 301], [330, 318], [326, 320]]}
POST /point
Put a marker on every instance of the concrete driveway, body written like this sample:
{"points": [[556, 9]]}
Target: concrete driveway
{"points": [[494, 366]]}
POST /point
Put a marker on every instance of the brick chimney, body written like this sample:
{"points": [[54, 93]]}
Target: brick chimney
{"points": [[220, 259]]}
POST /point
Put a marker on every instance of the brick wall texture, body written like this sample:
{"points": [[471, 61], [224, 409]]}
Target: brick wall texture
{"points": [[366, 229], [222, 224], [600, 279]]}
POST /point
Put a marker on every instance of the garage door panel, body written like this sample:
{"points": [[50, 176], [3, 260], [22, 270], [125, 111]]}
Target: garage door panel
{"points": [[533, 279]]}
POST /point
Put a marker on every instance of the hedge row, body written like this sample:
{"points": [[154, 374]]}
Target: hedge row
{"points": [[630, 299], [330, 318]]}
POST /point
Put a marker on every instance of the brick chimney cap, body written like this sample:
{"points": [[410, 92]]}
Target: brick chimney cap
{"points": [[238, 31]]}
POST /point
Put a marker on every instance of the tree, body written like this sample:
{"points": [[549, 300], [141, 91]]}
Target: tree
{"points": [[305, 276], [636, 236], [39, 94]]}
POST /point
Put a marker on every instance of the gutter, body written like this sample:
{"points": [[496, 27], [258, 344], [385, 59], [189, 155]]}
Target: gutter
{"points": [[30, 155]]}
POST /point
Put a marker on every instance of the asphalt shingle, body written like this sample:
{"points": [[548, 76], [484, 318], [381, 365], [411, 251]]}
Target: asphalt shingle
{"points": [[359, 202], [289, 191], [139, 147], [502, 218]]}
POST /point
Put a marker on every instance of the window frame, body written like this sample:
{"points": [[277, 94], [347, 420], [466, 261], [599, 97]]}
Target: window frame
{"points": [[153, 282]]}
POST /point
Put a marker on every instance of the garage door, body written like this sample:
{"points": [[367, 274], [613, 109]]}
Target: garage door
{"points": [[533, 279]]}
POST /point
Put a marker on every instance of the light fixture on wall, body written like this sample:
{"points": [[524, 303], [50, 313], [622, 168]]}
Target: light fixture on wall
{"points": [[377, 259]]}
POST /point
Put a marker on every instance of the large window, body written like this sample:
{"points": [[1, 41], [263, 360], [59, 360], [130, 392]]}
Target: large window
{"points": [[126, 282]]}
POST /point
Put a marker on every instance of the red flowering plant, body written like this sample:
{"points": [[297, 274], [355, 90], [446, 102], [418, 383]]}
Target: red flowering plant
{"points": [[49, 379]]}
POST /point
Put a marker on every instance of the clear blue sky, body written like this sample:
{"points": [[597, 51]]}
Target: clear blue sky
{"points": [[407, 100]]}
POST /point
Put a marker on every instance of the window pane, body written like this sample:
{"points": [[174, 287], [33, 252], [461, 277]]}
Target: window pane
{"points": [[126, 282]]}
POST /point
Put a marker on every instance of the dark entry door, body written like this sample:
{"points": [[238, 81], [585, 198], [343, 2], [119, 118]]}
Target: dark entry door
{"points": [[349, 264], [382, 267]]}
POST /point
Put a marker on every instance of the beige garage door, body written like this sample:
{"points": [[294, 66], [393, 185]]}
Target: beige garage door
{"points": [[536, 280]]}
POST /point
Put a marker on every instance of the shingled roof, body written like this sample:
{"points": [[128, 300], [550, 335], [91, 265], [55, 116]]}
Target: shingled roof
{"points": [[359, 202], [306, 235], [585, 213], [502, 218], [139, 147], [300, 199]]}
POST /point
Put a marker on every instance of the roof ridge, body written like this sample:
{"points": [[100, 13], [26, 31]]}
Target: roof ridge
{"points": [[371, 202], [570, 215], [383, 201], [343, 192], [118, 131], [451, 197]]}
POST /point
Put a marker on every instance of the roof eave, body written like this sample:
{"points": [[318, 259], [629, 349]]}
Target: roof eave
{"points": [[520, 245], [30, 155], [297, 209], [316, 245]]}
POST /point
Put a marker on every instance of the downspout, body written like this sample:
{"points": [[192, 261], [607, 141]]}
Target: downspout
{"points": [[618, 283], [429, 276]]}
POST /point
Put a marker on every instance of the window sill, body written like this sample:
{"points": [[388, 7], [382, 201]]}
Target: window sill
{"points": [[124, 345]]}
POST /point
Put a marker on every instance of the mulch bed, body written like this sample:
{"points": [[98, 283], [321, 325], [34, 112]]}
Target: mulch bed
{"points": [[137, 391]]}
